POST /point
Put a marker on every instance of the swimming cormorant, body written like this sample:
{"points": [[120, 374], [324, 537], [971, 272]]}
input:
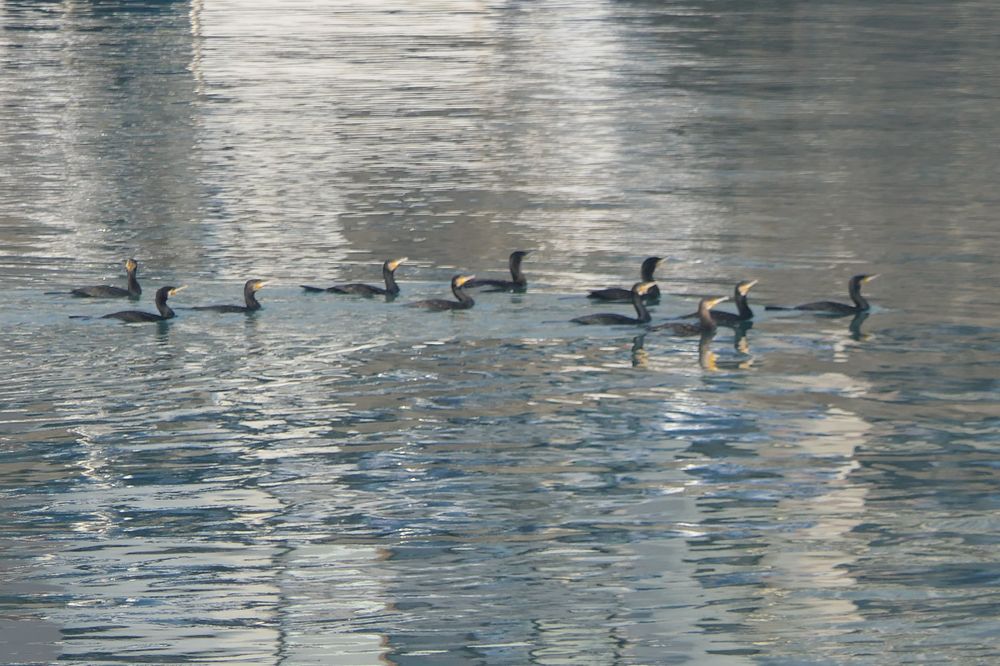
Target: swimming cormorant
{"points": [[833, 307], [743, 314], [705, 321], [165, 312], [517, 282], [388, 274], [639, 289], [464, 301], [250, 287], [106, 291], [619, 294]]}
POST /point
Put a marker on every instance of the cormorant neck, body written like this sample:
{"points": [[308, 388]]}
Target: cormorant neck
{"points": [[705, 317], [515, 271], [640, 307], [647, 272], [162, 307], [855, 290], [742, 306], [133, 284], [462, 297], [250, 296], [389, 276]]}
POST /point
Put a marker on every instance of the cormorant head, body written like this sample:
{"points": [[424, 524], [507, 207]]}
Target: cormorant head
{"points": [[648, 266], [642, 287], [255, 285], [131, 265], [518, 255], [165, 292], [459, 280], [854, 284], [393, 264], [744, 287]]}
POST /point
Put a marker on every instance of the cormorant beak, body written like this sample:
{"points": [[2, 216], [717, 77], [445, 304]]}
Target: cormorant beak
{"points": [[745, 288], [644, 287], [394, 264], [259, 284], [131, 265], [462, 279], [869, 278], [712, 302], [176, 289]]}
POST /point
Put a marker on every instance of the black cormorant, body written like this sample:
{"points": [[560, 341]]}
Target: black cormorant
{"points": [[639, 289], [705, 322], [743, 314], [833, 307], [388, 274], [464, 301], [165, 312], [619, 294], [105, 291], [250, 287], [517, 282]]}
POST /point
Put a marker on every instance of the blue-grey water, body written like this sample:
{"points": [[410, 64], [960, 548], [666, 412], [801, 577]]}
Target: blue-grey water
{"points": [[336, 480]]}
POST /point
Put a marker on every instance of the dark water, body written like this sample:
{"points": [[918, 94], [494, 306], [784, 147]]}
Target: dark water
{"points": [[340, 481]]}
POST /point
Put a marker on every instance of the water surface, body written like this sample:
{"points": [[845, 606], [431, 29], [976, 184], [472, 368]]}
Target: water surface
{"points": [[340, 481]]}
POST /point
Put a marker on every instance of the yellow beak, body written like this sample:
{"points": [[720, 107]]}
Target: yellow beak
{"points": [[712, 302]]}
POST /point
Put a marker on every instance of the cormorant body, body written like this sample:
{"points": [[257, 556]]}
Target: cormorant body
{"points": [[464, 301], [618, 294], [833, 307], [106, 291], [743, 313], [639, 289], [705, 321], [358, 289], [518, 281], [135, 316], [250, 287]]}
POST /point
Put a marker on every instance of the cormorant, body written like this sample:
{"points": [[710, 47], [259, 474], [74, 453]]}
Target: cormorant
{"points": [[743, 314], [250, 287], [705, 321], [639, 289], [517, 282], [618, 294], [165, 312], [464, 301], [105, 291], [388, 274], [833, 307]]}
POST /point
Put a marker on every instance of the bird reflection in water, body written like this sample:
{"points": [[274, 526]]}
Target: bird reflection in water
{"points": [[742, 360], [855, 327], [640, 357]]}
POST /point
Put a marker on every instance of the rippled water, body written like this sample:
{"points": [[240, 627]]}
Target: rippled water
{"points": [[342, 481]]}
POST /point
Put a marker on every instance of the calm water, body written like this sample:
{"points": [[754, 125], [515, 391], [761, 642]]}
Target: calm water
{"points": [[342, 481]]}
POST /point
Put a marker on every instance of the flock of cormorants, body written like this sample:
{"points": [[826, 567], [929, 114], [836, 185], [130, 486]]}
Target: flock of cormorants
{"points": [[642, 292]]}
